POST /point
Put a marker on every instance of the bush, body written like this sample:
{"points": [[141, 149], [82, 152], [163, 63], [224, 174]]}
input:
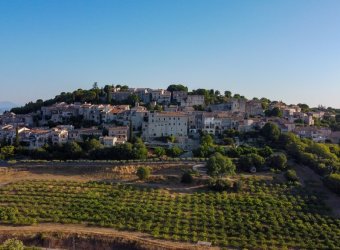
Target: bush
{"points": [[239, 186], [277, 161], [175, 151], [333, 182], [220, 185], [159, 151], [187, 178], [291, 175], [246, 162], [265, 152], [12, 244], [143, 173]]}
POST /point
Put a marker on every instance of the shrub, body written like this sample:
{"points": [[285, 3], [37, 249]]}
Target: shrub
{"points": [[143, 173], [175, 151], [333, 182], [291, 175], [12, 244], [187, 178], [159, 151], [239, 186], [246, 162], [277, 161], [220, 185]]}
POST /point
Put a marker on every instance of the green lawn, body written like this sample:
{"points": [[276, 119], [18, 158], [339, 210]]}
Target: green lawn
{"points": [[262, 215]]}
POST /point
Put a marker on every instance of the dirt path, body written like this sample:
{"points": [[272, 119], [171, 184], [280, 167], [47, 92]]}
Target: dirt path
{"points": [[95, 231], [312, 180]]}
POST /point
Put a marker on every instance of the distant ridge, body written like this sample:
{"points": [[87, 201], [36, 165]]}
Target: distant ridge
{"points": [[6, 106]]}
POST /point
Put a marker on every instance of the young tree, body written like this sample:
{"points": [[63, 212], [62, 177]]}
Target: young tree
{"points": [[7, 152], [207, 140], [175, 151], [143, 173], [139, 149], [187, 178], [219, 165], [159, 151]]}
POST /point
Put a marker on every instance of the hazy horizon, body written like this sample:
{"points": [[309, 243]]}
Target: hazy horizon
{"points": [[164, 87], [281, 50]]}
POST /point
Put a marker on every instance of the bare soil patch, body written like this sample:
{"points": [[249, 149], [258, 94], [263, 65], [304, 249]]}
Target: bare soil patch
{"points": [[313, 181], [75, 235]]}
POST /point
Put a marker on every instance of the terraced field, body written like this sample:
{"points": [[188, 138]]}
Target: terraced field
{"points": [[262, 215]]}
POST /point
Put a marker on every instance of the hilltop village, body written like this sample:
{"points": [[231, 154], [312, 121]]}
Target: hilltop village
{"points": [[161, 117]]}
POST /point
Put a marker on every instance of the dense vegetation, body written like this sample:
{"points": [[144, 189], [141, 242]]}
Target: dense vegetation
{"points": [[90, 149], [261, 215]]}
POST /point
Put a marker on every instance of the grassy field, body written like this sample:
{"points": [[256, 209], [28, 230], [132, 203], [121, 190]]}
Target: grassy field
{"points": [[262, 215]]}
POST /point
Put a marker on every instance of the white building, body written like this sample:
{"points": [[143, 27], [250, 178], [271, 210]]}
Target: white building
{"points": [[108, 141], [162, 124]]}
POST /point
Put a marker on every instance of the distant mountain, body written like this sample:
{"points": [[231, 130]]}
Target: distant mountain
{"points": [[6, 106]]}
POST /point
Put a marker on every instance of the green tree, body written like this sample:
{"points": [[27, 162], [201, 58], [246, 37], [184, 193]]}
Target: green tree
{"points": [[171, 138], [16, 143], [227, 94], [277, 161], [219, 165], [160, 151], [265, 151], [304, 107], [321, 150], [107, 90], [270, 132], [177, 87], [276, 112], [143, 173], [187, 178], [207, 140], [246, 162], [139, 150], [12, 244], [7, 152], [92, 144], [291, 175], [218, 184], [287, 138], [132, 99], [265, 103], [174, 151], [333, 182], [72, 150]]}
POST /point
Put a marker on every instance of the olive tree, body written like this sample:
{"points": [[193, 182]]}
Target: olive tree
{"points": [[219, 165], [143, 173]]}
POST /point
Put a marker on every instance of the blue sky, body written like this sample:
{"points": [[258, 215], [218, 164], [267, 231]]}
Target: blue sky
{"points": [[285, 50]]}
